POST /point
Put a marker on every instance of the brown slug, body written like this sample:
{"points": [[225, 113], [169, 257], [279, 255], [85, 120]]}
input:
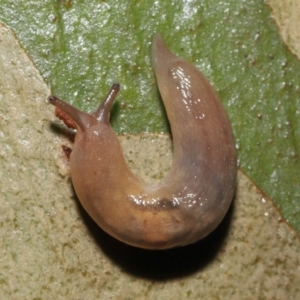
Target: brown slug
{"points": [[192, 200]]}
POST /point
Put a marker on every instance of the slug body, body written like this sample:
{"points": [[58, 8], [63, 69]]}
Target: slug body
{"points": [[191, 201]]}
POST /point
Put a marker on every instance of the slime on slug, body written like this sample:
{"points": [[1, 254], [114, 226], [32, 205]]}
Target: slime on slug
{"points": [[193, 198]]}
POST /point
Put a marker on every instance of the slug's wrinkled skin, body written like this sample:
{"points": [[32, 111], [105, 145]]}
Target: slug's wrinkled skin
{"points": [[191, 201]]}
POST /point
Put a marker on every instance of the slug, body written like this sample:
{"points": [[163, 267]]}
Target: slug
{"points": [[193, 198]]}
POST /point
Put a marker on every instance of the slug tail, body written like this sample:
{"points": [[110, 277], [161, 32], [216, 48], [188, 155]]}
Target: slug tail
{"points": [[162, 57]]}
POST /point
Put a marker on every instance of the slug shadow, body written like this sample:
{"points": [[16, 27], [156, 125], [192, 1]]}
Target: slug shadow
{"points": [[115, 112], [62, 131], [160, 264]]}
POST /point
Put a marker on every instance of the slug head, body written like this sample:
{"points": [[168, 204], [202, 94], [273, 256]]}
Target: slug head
{"points": [[83, 120]]}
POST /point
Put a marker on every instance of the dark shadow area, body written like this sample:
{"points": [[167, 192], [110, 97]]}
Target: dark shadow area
{"points": [[160, 264], [63, 131], [115, 112]]}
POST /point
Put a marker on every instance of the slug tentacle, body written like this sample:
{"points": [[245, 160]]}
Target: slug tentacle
{"points": [[75, 114], [191, 201], [103, 111]]}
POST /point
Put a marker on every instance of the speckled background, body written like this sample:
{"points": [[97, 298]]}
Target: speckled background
{"points": [[51, 249]]}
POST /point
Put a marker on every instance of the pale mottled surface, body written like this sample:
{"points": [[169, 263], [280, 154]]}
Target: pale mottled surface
{"points": [[50, 249], [287, 17]]}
